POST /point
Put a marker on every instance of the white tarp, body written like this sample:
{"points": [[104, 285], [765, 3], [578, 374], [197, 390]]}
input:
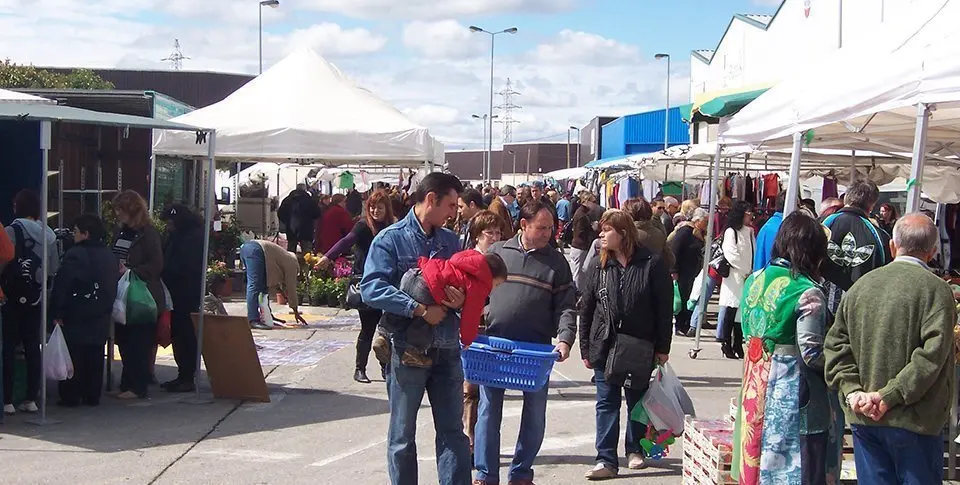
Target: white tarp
{"points": [[7, 96], [867, 97], [304, 108], [567, 173]]}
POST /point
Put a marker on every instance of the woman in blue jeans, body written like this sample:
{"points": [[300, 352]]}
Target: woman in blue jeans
{"points": [[627, 290], [269, 266]]}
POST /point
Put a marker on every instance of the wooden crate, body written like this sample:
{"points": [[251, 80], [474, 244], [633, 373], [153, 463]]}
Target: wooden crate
{"points": [[707, 451]]}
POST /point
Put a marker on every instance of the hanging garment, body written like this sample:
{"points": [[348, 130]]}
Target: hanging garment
{"points": [[650, 189], [771, 186], [829, 188], [750, 191], [674, 189]]}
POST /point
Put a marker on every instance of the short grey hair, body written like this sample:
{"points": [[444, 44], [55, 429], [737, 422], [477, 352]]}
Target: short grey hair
{"points": [[699, 214], [671, 201], [915, 234]]}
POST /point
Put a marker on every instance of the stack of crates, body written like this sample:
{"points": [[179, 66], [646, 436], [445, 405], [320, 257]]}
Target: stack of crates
{"points": [[707, 452]]}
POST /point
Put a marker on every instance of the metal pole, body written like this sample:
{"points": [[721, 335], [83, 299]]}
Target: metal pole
{"points": [[153, 181], [708, 242], [514, 164], [579, 142], [919, 152], [568, 147], [490, 113], [483, 155], [208, 219], [260, 38], [666, 112], [793, 187]]}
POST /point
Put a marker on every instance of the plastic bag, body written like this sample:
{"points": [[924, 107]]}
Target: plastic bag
{"points": [[266, 314], [661, 402], [164, 329], [677, 299], [141, 307], [57, 364], [168, 300], [119, 313]]}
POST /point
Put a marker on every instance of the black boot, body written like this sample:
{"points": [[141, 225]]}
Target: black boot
{"points": [[361, 376], [727, 350]]}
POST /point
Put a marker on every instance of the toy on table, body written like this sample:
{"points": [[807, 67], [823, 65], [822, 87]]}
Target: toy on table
{"points": [[657, 446]]}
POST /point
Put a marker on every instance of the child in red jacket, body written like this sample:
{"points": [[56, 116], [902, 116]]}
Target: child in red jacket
{"points": [[470, 271]]}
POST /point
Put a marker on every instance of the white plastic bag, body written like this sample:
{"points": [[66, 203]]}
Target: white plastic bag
{"points": [[662, 403], [57, 364], [266, 314], [673, 382], [167, 298], [120, 304]]}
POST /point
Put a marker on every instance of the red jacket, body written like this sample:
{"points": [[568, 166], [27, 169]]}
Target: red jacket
{"points": [[335, 223], [469, 271]]}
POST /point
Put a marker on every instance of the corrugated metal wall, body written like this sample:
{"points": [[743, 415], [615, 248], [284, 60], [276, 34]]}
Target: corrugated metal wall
{"points": [[613, 142], [642, 131]]}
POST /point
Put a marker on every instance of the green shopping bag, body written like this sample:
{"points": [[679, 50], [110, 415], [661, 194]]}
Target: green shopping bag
{"points": [[141, 307], [677, 299]]}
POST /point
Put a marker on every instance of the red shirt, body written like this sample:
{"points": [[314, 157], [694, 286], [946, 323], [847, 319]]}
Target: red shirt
{"points": [[469, 271], [335, 223]]}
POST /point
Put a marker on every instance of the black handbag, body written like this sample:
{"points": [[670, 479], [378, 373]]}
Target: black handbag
{"points": [[718, 261], [630, 361]]}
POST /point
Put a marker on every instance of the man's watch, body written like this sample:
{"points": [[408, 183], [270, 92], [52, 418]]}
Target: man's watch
{"points": [[419, 311]]}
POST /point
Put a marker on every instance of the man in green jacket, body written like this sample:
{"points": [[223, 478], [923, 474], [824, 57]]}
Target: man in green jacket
{"points": [[890, 353]]}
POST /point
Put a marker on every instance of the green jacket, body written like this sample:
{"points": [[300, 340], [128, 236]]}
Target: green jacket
{"points": [[893, 334]]}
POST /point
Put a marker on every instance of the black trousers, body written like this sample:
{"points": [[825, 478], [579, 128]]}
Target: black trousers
{"points": [[184, 340], [136, 344], [87, 381], [292, 241], [21, 324], [732, 331], [683, 318], [368, 328]]}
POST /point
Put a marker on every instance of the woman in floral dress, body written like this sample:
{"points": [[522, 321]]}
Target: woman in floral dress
{"points": [[788, 425]]}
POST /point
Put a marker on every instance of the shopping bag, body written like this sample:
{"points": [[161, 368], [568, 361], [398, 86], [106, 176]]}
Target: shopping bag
{"points": [[141, 307], [168, 300], [119, 313], [673, 382], [677, 299], [164, 331], [661, 404], [57, 364], [266, 314]]}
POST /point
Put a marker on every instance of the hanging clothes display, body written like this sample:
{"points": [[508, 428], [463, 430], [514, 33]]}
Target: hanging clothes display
{"points": [[674, 189], [750, 190], [650, 189], [829, 188], [346, 181]]}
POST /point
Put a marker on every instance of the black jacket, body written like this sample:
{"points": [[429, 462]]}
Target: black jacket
{"points": [[644, 305], [184, 273], [85, 322], [856, 247], [298, 212], [688, 254]]}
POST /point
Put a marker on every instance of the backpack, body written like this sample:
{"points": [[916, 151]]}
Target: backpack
{"points": [[18, 278]]}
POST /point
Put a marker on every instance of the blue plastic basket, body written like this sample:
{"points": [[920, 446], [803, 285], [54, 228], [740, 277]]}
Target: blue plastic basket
{"points": [[507, 364]]}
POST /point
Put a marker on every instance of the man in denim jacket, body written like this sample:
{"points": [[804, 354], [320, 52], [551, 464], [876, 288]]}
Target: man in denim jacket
{"points": [[394, 251]]}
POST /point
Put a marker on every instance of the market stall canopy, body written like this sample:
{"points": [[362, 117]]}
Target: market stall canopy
{"points": [[709, 107], [867, 98], [611, 162], [305, 108], [7, 96], [567, 173], [67, 114]]}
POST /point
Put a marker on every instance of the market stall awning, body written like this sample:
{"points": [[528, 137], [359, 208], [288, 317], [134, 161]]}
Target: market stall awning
{"points": [[68, 114], [611, 162], [711, 106]]}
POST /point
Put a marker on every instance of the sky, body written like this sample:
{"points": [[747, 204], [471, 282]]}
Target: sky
{"points": [[571, 60]]}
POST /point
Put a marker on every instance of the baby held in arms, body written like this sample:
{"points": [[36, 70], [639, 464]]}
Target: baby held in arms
{"points": [[471, 272]]}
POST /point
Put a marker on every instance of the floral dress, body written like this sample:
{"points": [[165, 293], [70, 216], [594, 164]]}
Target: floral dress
{"points": [[789, 426]]}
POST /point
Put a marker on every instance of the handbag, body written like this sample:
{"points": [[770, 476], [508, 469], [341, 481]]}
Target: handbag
{"points": [[718, 261], [354, 301], [630, 361]]}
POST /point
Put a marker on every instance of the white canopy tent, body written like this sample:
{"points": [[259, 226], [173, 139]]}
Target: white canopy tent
{"points": [[305, 109], [904, 94], [47, 113], [7, 96]]}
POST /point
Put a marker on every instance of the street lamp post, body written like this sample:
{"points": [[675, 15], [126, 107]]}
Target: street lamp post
{"points": [[666, 112], [264, 3], [579, 142], [493, 36], [487, 165]]}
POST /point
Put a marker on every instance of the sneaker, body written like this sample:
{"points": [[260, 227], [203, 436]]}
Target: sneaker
{"points": [[28, 407], [260, 326], [601, 472], [180, 386], [635, 461], [9, 409]]}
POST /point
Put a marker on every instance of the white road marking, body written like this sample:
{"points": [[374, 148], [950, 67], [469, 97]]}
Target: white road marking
{"points": [[256, 456], [549, 444], [512, 412]]}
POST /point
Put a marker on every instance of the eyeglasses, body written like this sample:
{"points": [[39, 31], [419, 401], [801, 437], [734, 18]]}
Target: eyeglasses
{"points": [[491, 233]]}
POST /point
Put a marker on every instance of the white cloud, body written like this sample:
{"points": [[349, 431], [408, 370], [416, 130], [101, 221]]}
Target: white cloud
{"points": [[433, 9], [332, 40], [433, 115], [584, 48], [444, 39]]}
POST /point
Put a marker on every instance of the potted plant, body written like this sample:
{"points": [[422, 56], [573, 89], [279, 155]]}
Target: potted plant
{"points": [[317, 292], [219, 268], [303, 292], [224, 243], [340, 285]]}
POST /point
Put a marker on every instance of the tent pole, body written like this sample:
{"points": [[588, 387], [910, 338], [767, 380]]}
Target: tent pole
{"points": [[793, 188], [708, 242], [916, 165], [208, 221], [45, 127], [153, 181]]}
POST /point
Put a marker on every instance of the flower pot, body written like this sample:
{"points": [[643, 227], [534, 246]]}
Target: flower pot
{"points": [[281, 299], [302, 299], [333, 301], [228, 287], [315, 300]]}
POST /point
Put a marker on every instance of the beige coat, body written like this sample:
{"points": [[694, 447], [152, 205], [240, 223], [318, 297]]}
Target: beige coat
{"points": [[282, 268]]}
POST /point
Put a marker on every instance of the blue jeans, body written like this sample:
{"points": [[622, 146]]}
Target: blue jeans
{"points": [[253, 259], [695, 320], [443, 384], [608, 421], [894, 456], [533, 423]]}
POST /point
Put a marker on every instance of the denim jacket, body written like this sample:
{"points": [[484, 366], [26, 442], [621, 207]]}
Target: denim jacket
{"points": [[394, 251]]}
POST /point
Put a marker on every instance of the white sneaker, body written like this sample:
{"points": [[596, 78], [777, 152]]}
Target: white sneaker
{"points": [[9, 409], [635, 461], [601, 472], [28, 407]]}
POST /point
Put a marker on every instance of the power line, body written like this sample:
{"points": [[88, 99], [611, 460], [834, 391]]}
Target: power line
{"points": [[506, 111], [176, 57]]}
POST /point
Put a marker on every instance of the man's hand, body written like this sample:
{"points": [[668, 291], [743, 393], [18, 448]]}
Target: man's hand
{"points": [[455, 298], [875, 408], [435, 314], [662, 358], [564, 349], [586, 363]]}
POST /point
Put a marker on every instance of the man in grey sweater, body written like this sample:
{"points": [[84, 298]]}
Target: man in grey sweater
{"points": [[536, 304]]}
